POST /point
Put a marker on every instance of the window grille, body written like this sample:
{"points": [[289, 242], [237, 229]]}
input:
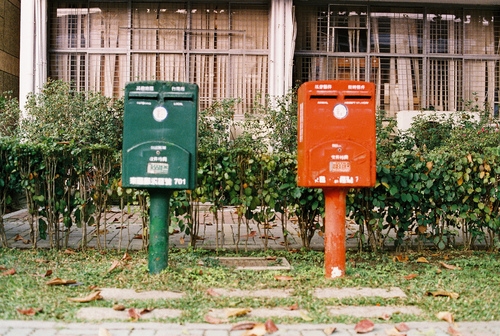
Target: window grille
{"points": [[221, 46], [418, 57]]}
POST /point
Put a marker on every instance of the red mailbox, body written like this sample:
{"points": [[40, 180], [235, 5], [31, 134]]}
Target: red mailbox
{"points": [[336, 134], [336, 151]]}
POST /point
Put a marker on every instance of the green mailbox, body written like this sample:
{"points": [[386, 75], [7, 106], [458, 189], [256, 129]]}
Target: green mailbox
{"points": [[160, 135]]}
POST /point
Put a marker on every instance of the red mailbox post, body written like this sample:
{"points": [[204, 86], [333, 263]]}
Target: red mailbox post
{"points": [[336, 151]]}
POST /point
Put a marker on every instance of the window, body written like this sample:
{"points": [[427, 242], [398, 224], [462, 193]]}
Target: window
{"points": [[221, 46], [419, 58]]}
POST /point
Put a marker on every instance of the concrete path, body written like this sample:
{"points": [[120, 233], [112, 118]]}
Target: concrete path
{"points": [[41, 328]]}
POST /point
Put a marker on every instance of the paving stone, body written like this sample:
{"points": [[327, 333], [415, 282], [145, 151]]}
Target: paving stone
{"points": [[265, 293], [342, 293], [99, 314], [373, 311], [262, 313], [131, 294], [19, 332]]}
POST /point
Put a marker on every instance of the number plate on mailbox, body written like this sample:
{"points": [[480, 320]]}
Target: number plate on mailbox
{"points": [[340, 166], [157, 168]]}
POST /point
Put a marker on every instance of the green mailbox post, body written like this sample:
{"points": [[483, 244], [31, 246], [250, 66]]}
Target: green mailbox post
{"points": [[160, 135]]}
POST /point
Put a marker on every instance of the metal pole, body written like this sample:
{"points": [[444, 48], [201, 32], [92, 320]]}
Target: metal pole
{"points": [[335, 201], [158, 229]]}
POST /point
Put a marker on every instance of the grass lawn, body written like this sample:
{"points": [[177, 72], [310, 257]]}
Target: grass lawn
{"points": [[474, 276]]}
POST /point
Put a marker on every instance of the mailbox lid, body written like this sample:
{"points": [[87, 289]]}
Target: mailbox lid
{"points": [[339, 114]]}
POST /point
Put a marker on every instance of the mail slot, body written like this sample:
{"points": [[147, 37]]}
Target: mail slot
{"points": [[160, 135], [336, 134]]}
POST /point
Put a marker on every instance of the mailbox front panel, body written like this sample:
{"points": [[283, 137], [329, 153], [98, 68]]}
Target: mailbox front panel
{"points": [[160, 135], [336, 134]]}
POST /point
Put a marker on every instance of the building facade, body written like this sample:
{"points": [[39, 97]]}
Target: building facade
{"points": [[420, 55], [9, 46]]}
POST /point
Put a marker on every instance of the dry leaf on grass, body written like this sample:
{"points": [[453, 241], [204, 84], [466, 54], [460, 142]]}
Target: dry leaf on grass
{"points": [[422, 260], [446, 316], [119, 307], [305, 316], [133, 314], [283, 277], [400, 258], [59, 282], [235, 312], [44, 275], [271, 327], [448, 266], [295, 306], [69, 251], [212, 292], [12, 271], [364, 326], [444, 293], [91, 297], [29, 311], [126, 257], [410, 276], [114, 265], [213, 320]]}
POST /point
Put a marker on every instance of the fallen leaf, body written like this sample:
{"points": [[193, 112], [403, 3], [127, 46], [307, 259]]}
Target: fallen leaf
{"points": [[181, 240], [271, 327], [104, 332], [283, 277], [18, 237], [271, 258], [329, 330], [212, 292], [402, 327], [42, 261], [137, 236], [446, 316], [213, 320], [453, 331], [295, 306], [126, 257], [410, 276], [422, 260], [146, 311], [448, 266], [400, 258], [258, 330], [305, 316], [69, 251], [269, 237], [119, 307], [393, 332], [385, 317], [364, 326], [444, 293], [245, 325], [114, 265], [2, 268], [91, 297], [250, 235], [59, 281], [235, 312], [29, 311], [12, 271], [132, 313]]}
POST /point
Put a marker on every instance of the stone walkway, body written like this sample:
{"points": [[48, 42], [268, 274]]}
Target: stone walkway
{"points": [[123, 231]]}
